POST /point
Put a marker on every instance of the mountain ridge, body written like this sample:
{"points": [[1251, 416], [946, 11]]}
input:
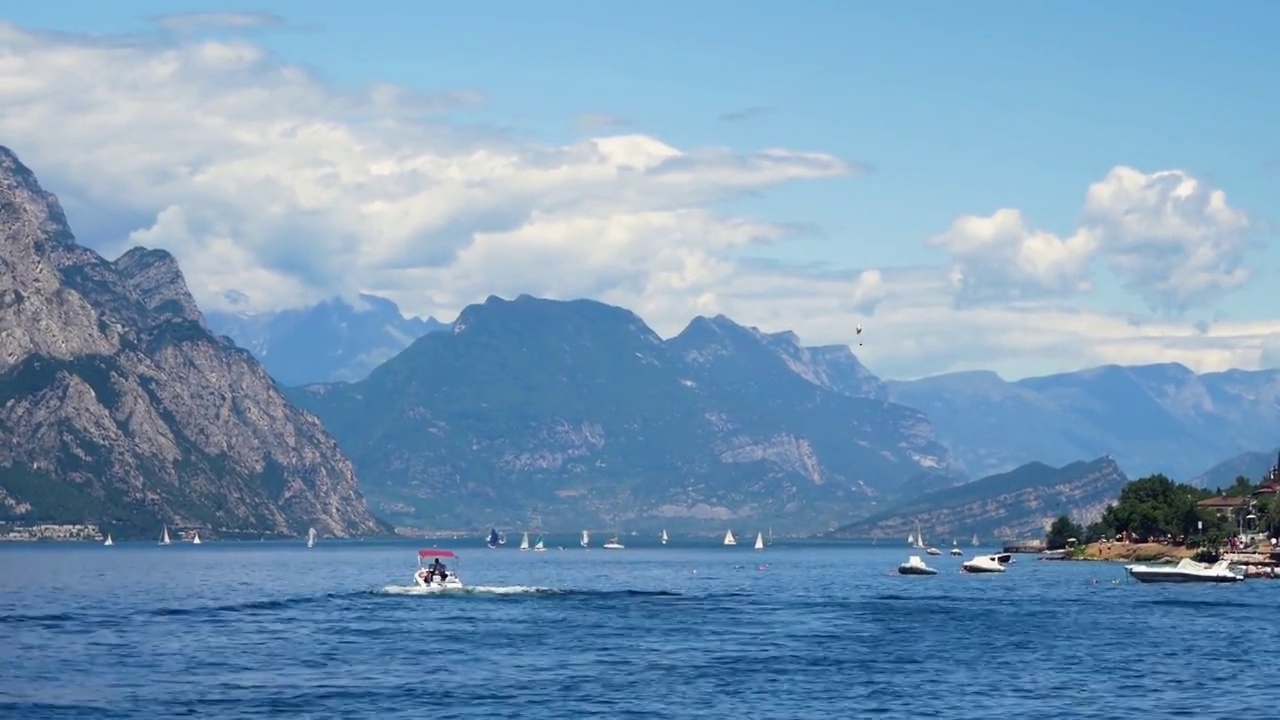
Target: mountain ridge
{"points": [[120, 407]]}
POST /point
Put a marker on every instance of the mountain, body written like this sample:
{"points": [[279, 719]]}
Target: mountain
{"points": [[1021, 503], [572, 413], [118, 406], [1152, 418], [1253, 465], [334, 340]]}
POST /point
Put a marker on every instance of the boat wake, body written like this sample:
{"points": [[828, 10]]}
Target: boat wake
{"points": [[472, 590]]}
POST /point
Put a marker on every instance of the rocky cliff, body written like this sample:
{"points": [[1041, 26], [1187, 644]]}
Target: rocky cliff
{"points": [[579, 413], [1021, 503], [118, 406]]}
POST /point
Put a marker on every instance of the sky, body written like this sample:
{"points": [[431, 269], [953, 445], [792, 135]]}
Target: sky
{"points": [[1023, 187]]}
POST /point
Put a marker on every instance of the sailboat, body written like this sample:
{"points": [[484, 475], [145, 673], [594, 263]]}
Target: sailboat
{"points": [[494, 541], [975, 540], [311, 537], [109, 542], [769, 540], [586, 539], [195, 539], [728, 538], [164, 538], [911, 540], [524, 542], [664, 536], [759, 541], [538, 546]]}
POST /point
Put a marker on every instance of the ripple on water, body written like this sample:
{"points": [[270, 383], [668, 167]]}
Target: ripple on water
{"points": [[817, 632]]}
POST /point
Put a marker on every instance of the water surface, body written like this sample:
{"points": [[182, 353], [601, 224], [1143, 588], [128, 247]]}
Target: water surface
{"points": [[251, 630]]}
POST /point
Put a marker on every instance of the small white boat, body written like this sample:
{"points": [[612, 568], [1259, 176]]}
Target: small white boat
{"points": [[437, 575], [955, 548], [915, 566], [311, 537], [164, 539], [729, 539], [539, 546], [1186, 571], [664, 536], [982, 564], [613, 544], [586, 539], [934, 551], [524, 542], [109, 542], [759, 542], [195, 539]]}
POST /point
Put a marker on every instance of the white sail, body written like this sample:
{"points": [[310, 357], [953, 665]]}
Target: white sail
{"points": [[109, 540], [759, 541], [524, 541], [164, 538], [311, 537], [728, 538], [664, 536], [919, 535], [586, 539], [911, 539], [195, 539], [539, 547]]}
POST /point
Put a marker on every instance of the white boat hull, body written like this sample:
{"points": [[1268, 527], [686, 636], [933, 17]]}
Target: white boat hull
{"points": [[907, 569], [425, 580], [982, 564], [613, 546], [1186, 571]]}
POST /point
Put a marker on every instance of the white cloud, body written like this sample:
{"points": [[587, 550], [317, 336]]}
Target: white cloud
{"points": [[265, 180]]}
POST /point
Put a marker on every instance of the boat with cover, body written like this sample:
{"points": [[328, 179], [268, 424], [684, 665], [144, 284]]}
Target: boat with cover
{"points": [[915, 566], [982, 564], [1186, 571], [428, 576]]}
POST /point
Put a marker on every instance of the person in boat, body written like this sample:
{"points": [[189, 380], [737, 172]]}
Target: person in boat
{"points": [[438, 569]]}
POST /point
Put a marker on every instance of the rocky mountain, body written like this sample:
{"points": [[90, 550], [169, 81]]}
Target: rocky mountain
{"points": [[332, 341], [118, 406], [1252, 465], [577, 412], [1021, 503], [1152, 418]]}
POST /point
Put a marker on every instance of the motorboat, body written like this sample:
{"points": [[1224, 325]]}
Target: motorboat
{"points": [[429, 577], [494, 539], [1186, 571], [915, 566], [955, 549], [982, 564], [613, 544], [934, 551]]}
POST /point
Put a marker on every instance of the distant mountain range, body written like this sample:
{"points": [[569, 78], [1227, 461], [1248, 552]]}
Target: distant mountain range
{"points": [[332, 341], [1021, 503], [579, 413], [118, 406]]}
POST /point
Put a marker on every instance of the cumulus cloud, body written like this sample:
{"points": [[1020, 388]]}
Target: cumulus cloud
{"points": [[268, 183], [275, 189], [1170, 237]]}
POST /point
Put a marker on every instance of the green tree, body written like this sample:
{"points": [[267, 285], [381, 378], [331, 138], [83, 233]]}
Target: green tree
{"points": [[1062, 530]]}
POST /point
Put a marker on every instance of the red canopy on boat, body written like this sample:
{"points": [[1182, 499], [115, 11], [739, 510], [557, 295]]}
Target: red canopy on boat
{"points": [[436, 553]]}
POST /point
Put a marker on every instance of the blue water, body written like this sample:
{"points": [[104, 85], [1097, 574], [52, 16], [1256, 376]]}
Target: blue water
{"points": [[255, 630]]}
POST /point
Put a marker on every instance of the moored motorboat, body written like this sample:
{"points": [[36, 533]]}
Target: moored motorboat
{"points": [[915, 566], [437, 575], [1186, 571], [982, 564]]}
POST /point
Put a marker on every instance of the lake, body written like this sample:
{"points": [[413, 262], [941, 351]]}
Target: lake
{"points": [[692, 630]]}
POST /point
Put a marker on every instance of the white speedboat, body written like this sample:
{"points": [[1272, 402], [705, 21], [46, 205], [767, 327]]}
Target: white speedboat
{"points": [[934, 551], [955, 549], [436, 575], [982, 564], [613, 544], [915, 566], [1186, 571]]}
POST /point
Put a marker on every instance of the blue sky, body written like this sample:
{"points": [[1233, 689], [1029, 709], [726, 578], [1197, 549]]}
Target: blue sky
{"points": [[957, 108]]}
